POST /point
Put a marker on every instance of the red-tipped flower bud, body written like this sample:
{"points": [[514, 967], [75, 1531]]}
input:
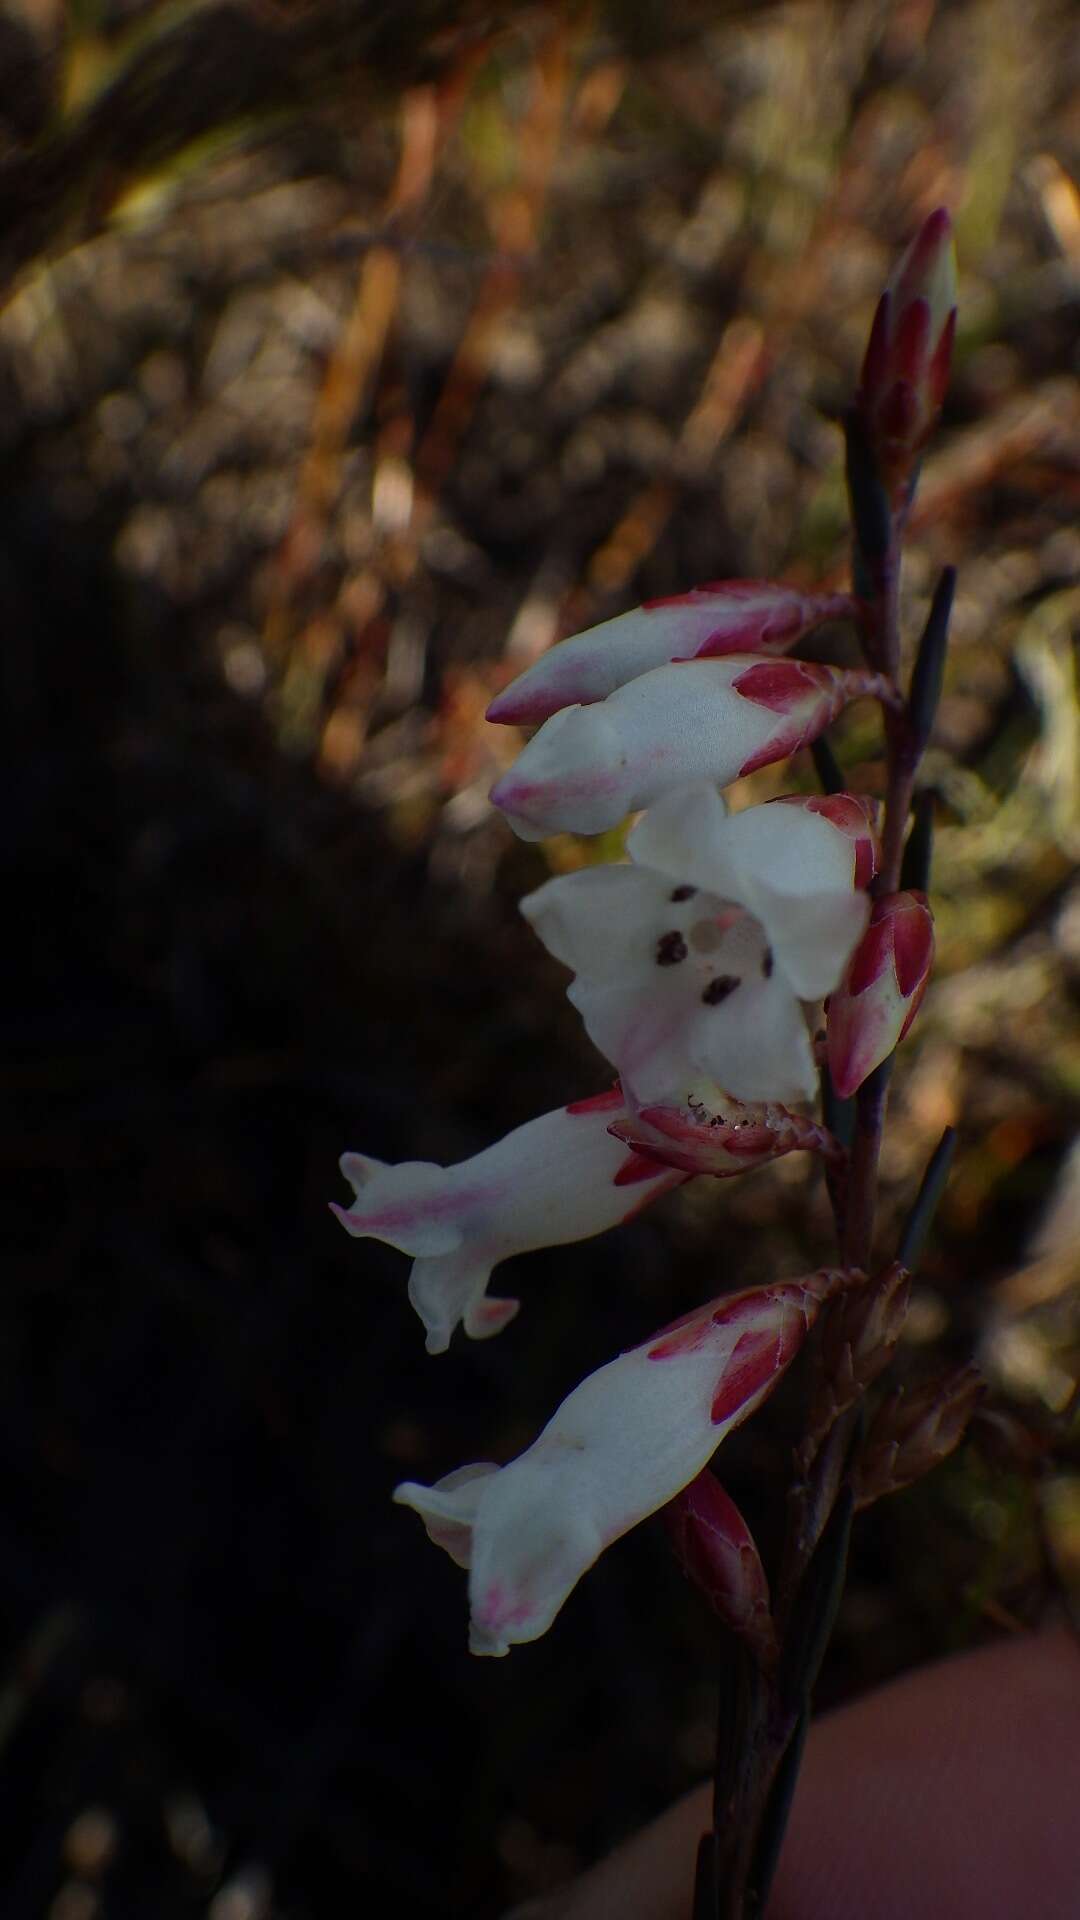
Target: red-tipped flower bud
{"points": [[906, 368], [715, 1549], [880, 994]]}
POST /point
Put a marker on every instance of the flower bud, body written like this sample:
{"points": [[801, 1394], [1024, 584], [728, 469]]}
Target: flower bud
{"points": [[731, 616], [880, 994], [906, 368], [716, 1550], [914, 1432]]}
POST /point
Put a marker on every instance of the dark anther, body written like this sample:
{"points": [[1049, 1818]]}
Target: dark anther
{"points": [[684, 893], [670, 949], [767, 963], [719, 989]]}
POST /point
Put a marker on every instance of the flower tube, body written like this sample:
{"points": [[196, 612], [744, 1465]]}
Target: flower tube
{"points": [[588, 767], [624, 1443], [731, 616], [559, 1178]]}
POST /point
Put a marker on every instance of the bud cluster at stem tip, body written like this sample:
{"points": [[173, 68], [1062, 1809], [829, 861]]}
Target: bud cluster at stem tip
{"points": [[906, 367]]}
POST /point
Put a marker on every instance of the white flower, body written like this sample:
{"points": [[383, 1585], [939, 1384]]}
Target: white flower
{"points": [[691, 962], [730, 616], [588, 767], [625, 1442], [561, 1177]]}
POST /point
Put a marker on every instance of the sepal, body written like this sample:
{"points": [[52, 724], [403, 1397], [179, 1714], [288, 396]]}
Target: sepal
{"points": [[713, 1134], [914, 1432]]}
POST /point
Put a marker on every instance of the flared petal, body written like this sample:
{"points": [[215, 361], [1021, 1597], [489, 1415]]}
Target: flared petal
{"points": [[624, 1443], [793, 867], [599, 919], [559, 1178]]}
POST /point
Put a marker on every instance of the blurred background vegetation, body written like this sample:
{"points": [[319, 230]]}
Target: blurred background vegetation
{"points": [[349, 355]]}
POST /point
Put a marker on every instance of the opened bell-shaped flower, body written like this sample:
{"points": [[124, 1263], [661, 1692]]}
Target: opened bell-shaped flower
{"points": [[691, 961], [588, 766], [624, 1443], [730, 616], [559, 1178]]}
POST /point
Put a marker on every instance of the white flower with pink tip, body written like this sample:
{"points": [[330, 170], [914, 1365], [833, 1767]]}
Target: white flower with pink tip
{"points": [[559, 1178], [731, 616], [589, 766], [691, 961], [624, 1443]]}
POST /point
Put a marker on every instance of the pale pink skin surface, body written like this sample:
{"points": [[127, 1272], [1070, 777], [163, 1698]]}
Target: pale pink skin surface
{"points": [[949, 1795], [732, 616], [629, 1438], [552, 1181]]}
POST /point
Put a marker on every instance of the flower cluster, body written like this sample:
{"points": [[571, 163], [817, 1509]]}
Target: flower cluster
{"points": [[699, 966]]}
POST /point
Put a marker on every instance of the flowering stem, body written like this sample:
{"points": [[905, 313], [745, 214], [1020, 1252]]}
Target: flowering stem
{"points": [[749, 1822]]}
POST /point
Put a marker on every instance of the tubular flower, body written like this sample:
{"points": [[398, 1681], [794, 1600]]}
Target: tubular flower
{"points": [[559, 1178], [700, 719], [731, 616], [872, 1010], [691, 961], [624, 1443], [716, 1135], [906, 368]]}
